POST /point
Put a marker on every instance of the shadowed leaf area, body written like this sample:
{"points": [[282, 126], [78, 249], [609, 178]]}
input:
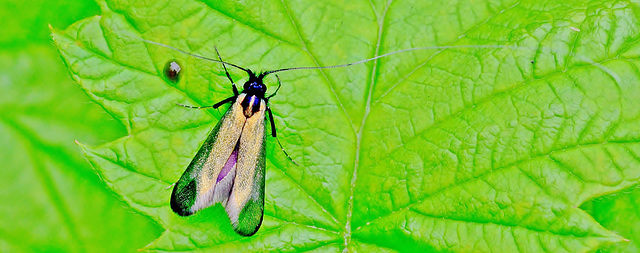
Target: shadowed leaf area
{"points": [[457, 149], [51, 200]]}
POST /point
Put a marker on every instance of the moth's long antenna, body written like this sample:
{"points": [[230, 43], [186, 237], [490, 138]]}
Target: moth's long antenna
{"points": [[195, 55], [387, 54]]}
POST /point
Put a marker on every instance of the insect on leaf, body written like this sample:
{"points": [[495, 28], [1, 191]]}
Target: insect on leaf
{"points": [[467, 149]]}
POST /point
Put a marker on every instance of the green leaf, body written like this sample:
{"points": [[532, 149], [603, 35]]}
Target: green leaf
{"points": [[26, 22], [619, 212], [467, 149], [53, 201]]}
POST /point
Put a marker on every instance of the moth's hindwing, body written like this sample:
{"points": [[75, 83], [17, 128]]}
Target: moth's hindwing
{"points": [[228, 169]]}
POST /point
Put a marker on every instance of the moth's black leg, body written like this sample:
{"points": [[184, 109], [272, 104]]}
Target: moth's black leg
{"points": [[273, 123], [277, 89], [196, 107], [235, 89], [227, 100], [273, 133]]}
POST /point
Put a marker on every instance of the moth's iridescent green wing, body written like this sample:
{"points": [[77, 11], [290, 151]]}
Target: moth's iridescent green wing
{"points": [[196, 187]]}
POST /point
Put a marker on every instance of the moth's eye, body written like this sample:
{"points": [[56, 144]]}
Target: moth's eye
{"points": [[172, 71]]}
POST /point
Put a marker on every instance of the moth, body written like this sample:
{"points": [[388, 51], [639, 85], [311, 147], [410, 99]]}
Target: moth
{"points": [[229, 167]]}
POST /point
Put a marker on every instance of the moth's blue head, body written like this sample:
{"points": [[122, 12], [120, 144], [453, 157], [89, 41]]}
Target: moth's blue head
{"points": [[255, 86]]}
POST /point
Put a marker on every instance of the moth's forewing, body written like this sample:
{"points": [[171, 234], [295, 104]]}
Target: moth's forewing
{"points": [[194, 189], [246, 202], [241, 190]]}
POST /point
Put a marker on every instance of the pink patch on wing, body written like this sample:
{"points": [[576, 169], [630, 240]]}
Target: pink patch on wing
{"points": [[233, 159]]}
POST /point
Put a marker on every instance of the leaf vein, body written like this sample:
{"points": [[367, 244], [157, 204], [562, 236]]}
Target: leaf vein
{"points": [[244, 23], [128, 168], [458, 183], [306, 193], [402, 79], [305, 48]]}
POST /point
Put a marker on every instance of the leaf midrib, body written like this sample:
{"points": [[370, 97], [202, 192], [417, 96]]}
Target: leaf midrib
{"points": [[365, 116], [371, 85]]}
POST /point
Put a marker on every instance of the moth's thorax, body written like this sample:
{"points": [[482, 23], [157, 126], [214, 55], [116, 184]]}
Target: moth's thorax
{"points": [[255, 86], [252, 97], [251, 104]]}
